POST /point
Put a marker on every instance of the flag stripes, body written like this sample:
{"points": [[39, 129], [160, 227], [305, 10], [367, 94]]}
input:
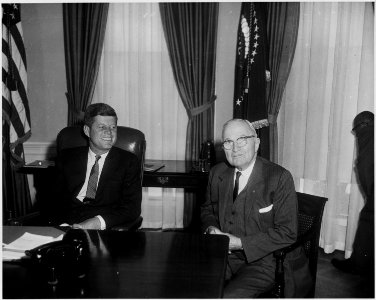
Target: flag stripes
{"points": [[15, 34], [15, 106]]}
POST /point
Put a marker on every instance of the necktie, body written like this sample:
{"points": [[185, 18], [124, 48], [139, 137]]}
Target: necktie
{"points": [[236, 187], [93, 179]]}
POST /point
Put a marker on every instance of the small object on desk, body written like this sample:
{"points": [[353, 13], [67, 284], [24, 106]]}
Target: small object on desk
{"points": [[41, 164], [151, 167]]}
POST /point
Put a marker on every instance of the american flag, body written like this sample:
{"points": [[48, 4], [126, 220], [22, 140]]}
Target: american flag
{"points": [[16, 111], [251, 67]]}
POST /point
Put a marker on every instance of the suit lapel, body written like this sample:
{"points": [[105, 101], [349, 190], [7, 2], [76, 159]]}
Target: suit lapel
{"points": [[77, 168], [226, 186], [253, 186]]}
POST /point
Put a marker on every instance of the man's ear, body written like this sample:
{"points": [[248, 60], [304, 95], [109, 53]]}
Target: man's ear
{"points": [[257, 144], [87, 131]]}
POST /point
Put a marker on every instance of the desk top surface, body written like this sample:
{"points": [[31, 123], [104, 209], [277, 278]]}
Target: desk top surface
{"points": [[162, 167], [176, 167], [130, 265]]}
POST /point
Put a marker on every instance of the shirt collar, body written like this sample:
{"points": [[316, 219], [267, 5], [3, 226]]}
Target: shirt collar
{"points": [[92, 155], [247, 172]]}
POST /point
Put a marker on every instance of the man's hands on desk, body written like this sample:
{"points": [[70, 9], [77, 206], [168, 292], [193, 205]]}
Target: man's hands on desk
{"points": [[235, 242], [92, 223]]}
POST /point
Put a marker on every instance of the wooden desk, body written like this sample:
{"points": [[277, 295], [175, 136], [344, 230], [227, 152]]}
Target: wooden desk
{"points": [[130, 265], [175, 174]]}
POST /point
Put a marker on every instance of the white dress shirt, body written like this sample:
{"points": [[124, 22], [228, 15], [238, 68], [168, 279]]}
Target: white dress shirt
{"points": [[243, 179], [90, 162]]}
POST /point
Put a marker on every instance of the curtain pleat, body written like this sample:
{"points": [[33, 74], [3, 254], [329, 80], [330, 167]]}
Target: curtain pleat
{"points": [[282, 29], [84, 28]]}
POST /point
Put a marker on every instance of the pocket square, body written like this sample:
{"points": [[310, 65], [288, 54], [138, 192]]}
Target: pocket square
{"points": [[265, 209]]}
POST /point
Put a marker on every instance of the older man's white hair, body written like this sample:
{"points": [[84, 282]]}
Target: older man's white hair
{"points": [[240, 120]]}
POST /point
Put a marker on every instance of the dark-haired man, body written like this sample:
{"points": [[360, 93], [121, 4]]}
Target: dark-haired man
{"points": [[99, 186]]}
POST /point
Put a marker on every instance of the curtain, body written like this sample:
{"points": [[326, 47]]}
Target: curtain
{"points": [[84, 28], [282, 29], [136, 79], [331, 81], [191, 34]]}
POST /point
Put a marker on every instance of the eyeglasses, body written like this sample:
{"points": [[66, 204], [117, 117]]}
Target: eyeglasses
{"points": [[240, 142]]}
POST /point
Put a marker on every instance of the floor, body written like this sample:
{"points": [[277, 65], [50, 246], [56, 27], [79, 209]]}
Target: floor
{"points": [[332, 283]]}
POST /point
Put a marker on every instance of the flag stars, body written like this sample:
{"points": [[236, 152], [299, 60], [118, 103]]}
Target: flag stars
{"points": [[12, 15], [255, 44], [256, 36], [256, 28], [238, 102], [15, 6], [255, 21], [254, 52], [252, 60]]}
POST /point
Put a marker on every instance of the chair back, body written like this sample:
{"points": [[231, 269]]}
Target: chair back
{"points": [[130, 139], [310, 211]]}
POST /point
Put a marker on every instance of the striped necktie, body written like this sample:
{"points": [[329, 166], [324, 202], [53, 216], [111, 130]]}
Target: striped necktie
{"points": [[236, 187], [93, 179]]}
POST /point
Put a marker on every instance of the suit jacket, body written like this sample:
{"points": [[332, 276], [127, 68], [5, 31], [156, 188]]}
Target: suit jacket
{"points": [[119, 193], [271, 211]]}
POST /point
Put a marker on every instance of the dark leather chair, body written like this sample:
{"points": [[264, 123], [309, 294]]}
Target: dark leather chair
{"points": [[130, 139], [310, 211]]}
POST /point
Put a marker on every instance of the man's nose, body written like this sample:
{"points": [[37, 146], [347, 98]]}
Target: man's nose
{"points": [[235, 147], [108, 131]]}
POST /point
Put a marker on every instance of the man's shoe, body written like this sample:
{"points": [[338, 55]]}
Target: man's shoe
{"points": [[345, 265]]}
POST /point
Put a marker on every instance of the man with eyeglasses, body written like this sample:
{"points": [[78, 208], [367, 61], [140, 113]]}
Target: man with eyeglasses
{"points": [[253, 202]]}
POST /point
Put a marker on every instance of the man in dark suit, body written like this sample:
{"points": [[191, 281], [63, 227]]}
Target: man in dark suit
{"points": [[362, 258], [98, 186], [252, 201]]}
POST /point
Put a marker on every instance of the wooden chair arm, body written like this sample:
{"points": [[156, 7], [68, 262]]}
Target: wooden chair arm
{"points": [[280, 254]]}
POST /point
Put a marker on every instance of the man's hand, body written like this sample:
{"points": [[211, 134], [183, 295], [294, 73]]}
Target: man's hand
{"points": [[213, 230], [92, 223], [235, 242]]}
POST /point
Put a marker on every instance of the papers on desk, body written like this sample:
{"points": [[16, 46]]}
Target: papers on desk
{"points": [[16, 249]]}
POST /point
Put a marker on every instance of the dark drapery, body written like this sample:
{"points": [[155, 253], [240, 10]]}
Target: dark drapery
{"points": [[251, 71], [191, 34], [282, 28], [84, 30]]}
